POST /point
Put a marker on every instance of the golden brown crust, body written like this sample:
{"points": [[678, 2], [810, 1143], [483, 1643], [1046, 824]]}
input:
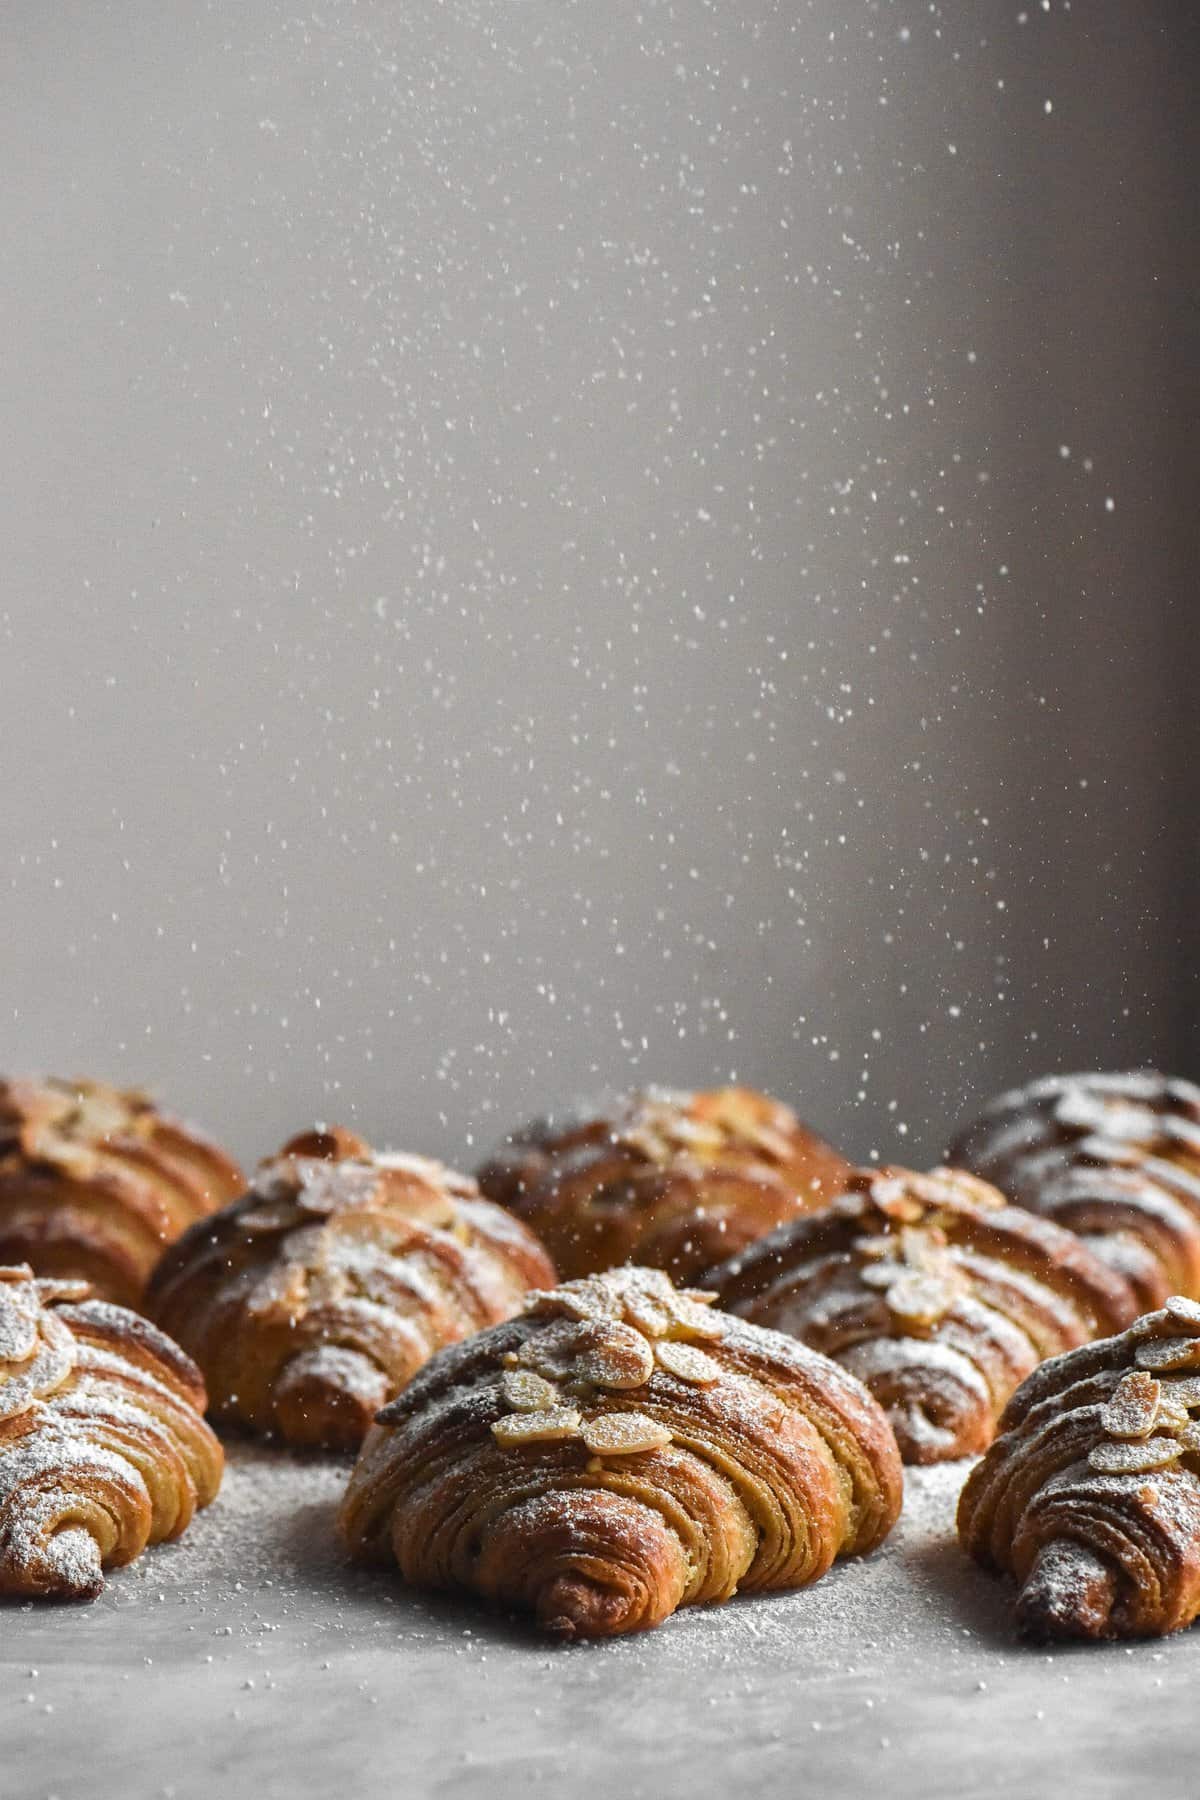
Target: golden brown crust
{"points": [[620, 1450], [1115, 1157], [312, 1300], [1090, 1497], [673, 1181], [103, 1444], [95, 1180], [932, 1291]]}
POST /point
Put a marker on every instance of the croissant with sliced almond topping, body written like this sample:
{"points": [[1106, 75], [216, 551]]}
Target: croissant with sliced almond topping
{"points": [[103, 1444], [1116, 1157], [934, 1292], [620, 1450], [95, 1181], [1090, 1498], [675, 1181], [312, 1300]]}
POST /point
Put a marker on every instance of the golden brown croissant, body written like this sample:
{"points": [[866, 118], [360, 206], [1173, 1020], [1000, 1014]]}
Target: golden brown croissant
{"points": [[618, 1451], [674, 1181], [1116, 1157], [314, 1298], [103, 1445], [1091, 1497], [934, 1292], [95, 1180]]}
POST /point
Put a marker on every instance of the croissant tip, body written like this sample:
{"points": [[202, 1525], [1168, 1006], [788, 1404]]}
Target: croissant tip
{"points": [[73, 1569], [327, 1398], [85, 1591], [573, 1607], [561, 1627], [1069, 1592]]}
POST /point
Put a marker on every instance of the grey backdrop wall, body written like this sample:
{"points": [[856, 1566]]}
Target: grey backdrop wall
{"points": [[548, 543]]}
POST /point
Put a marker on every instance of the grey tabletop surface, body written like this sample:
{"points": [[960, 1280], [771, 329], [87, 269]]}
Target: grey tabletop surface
{"points": [[250, 1659]]}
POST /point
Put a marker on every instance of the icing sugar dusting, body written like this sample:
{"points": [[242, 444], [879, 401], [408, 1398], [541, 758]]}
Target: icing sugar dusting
{"points": [[272, 1531]]}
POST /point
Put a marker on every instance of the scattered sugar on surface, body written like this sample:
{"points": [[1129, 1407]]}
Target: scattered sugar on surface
{"points": [[282, 1648], [274, 1517], [266, 1551], [275, 1522]]}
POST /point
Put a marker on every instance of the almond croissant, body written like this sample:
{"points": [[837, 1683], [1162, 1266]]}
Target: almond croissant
{"points": [[95, 1180], [620, 1450], [314, 1298], [1091, 1497], [932, 1291], [1116, 1157], [673, 1180], [103, 1445]]}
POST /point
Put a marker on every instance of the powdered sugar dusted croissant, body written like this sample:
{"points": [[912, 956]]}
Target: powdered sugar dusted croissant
{"points": [[95, 1180], [620, 1450], [1091, 1497], [934, 1292], [1114, 1156], [103, 1445], [673, 1180], [313, 1299]]}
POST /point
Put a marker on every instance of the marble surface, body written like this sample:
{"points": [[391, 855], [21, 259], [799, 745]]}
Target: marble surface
{"points": [[249, 1659]]}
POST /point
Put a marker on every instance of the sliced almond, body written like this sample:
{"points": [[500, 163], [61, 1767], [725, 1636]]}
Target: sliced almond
{"points": [[548, 1427], [700, 1296], [1183, 1312], [18, 1323], [684, 1361], [37, 1376], [1169, 1353], [1185, 1392], [957, 1184], [676, 1129], [527, 1392], [282, 1294], [1112, 1458], [624, 1434], [648, 1143], [920, 1300], [579, 1305], [53, 1288], [1133, 1407], [590, 1297], [270, 1216], [890, 1197], [773, 1144], [922, 1248], [613, 1355], [647, 1312], [1171, 1416], [692, 1318]]}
